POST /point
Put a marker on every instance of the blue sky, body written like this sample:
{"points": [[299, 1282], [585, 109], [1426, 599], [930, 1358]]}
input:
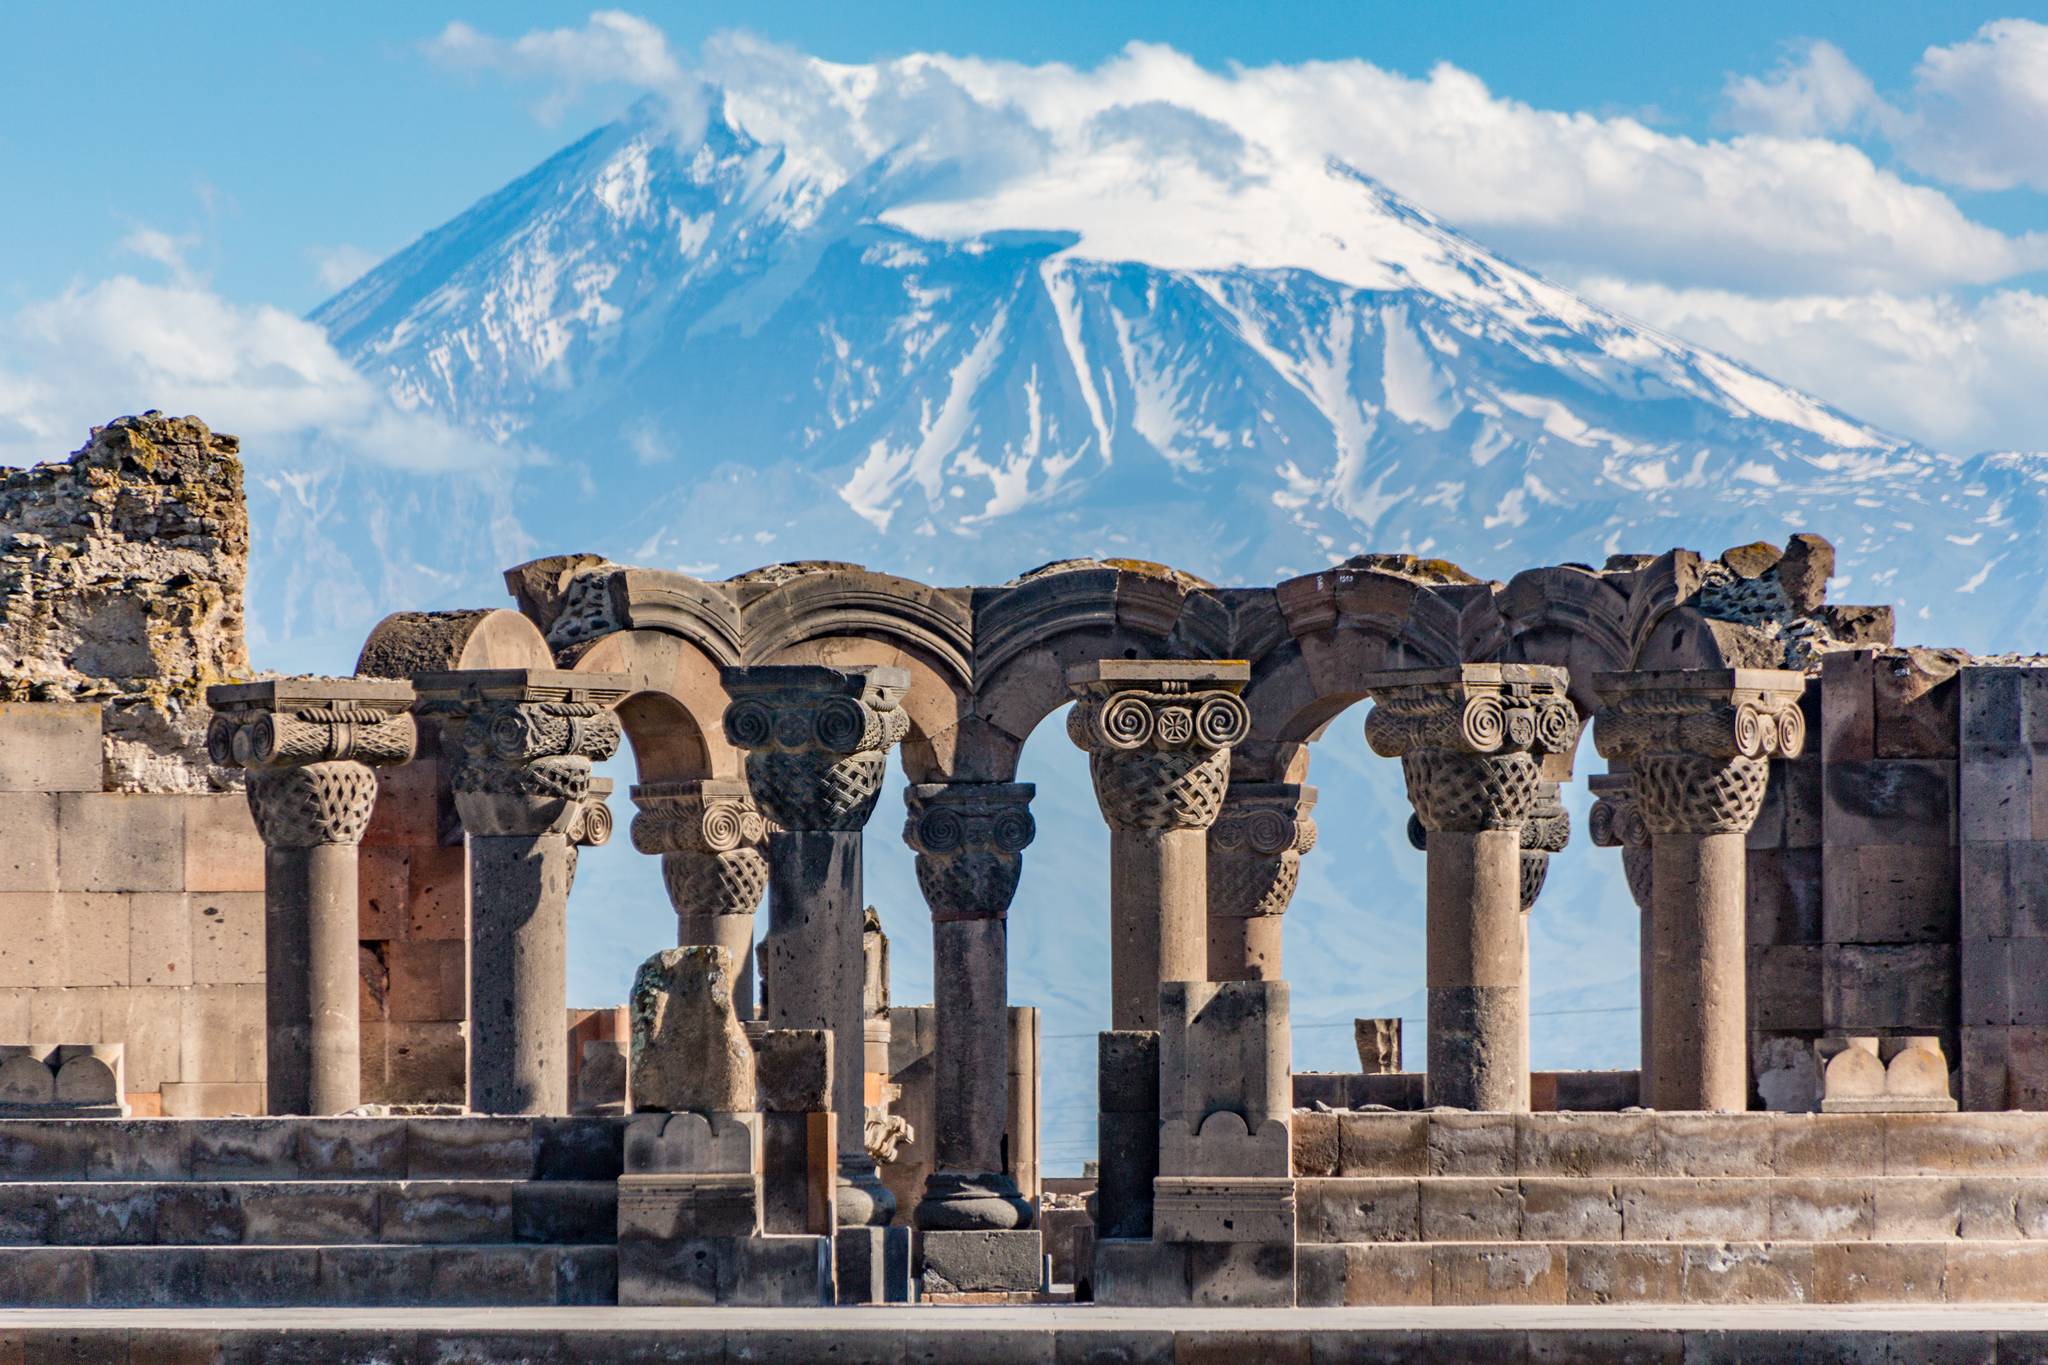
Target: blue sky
{"points": [[274, 134]]}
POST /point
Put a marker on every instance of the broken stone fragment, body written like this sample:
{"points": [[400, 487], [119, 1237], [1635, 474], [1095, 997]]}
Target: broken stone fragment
{"points": [[690, 1053]]}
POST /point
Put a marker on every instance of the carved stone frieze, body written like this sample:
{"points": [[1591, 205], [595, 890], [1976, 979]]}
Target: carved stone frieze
{"points": [[1255, 847], [309, 745], [1158, 736], [1698, 743], [970, 839], [710, 838], [1471, 739], [520, 743], [817, 739]]}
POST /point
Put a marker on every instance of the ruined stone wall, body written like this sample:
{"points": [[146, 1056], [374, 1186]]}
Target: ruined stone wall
{"points": [[121, 577], [131, 885]]}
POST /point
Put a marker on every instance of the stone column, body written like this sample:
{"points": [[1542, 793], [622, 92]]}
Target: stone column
{"points": [[970, 839], [309, 745], [1158, 735], [1255, 850], [1616, 823], [521, 743], [1471, 740], [710, 838], [1698, 744], [817, 742]]}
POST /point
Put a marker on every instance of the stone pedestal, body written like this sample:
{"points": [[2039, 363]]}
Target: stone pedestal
{"points": [[970, 838], [711, 841], [799, 1151], [1255, 850], [1223, 1217], [1698, 744], [1472, 741], [520, 743], [1158, 735], [1127, 1131], [816, 741], [981, 1262], [310, 746]]}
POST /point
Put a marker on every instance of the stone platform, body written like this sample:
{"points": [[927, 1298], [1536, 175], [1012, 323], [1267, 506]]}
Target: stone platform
{"points": [[1034, 1336], [107, 1213], [1469, 1209]]}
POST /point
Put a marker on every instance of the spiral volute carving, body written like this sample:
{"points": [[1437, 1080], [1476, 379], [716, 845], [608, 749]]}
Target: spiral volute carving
{"points": [[970, 839]]}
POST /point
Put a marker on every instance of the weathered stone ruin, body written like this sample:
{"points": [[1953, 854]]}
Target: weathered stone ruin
{"points": [[1836, 845]]}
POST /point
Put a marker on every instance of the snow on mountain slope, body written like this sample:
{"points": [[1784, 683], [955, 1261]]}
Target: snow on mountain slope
{"points": [[716, 353]]}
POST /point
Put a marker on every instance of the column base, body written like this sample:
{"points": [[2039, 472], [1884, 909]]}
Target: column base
{"points": [[873, 1264], [861, 1199], [981, 1262], [972, 1201]]}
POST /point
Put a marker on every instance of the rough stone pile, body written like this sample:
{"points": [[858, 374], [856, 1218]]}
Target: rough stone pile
{"points": [[121, 577]]}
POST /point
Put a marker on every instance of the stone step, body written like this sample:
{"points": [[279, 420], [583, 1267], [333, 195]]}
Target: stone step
{"points": [[306, 1212], [310, 1276], [465, 1147], [1444, 1274], [1671, 1208], [1639, 1144]]}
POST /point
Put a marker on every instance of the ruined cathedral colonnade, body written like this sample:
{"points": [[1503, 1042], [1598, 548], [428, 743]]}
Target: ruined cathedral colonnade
{"points": [[761, 712]]}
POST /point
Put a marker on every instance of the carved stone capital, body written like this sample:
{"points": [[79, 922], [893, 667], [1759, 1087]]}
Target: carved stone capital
{"points": [[1158, 736], [1255, 847], [1698, 743], [970, 839], [710, 838], [1545, 830], [1471, 738], [312, 804], [817, 739], [1617, 822], [309, 745], [520, 743]]}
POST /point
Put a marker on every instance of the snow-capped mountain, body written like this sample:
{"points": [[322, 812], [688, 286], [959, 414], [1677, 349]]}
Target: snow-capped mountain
{"points": [[713, 351]]}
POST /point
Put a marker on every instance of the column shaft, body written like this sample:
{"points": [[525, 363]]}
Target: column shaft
{"points": [[971, 1056], [1700, 1036], [735, 934], [1244, 948], [1477, 971], [518, 1004], [312, 984], [811, 957], [1158, 908]]}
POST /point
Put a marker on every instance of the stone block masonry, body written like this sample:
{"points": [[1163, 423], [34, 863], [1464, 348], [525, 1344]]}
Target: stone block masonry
{"points": [[130, 917]]}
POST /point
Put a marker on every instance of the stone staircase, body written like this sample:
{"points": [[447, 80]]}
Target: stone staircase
{"points": [[262, 1212], [1484, 1209]]}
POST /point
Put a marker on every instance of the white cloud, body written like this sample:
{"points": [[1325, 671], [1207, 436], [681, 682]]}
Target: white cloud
{"points": [[1820, 91], [1960, 374], [1562, 190], [1976, 116], [612, 48], [337, 267], [168, 251], [1981, 109], [124, 345]]}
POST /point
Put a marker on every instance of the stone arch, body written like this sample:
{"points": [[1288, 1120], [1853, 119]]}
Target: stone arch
{"points": [[406, 644], [1367, 614], [1030, 631], [673, 714]]}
